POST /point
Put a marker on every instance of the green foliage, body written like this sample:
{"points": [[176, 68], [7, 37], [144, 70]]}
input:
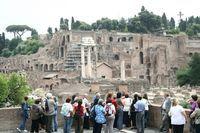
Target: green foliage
{"points": [[18, 29], [13, 88], [173, 31], [4, 88], [193, 30], [64, 24], [18, 88], [34, 34], [2, 41], [134, 25], [78, 25], [184, 104], [182, 25], [6, 52], [29, 46], [164, 21], [191, 74], [14, 43], [172, 23]]}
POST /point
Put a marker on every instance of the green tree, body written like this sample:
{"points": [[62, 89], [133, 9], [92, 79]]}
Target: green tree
{"points": [[18, 88], [172, 23], [14, 43], [18, 30], [2, 42], [72, 23], [6, 52], [134, 25], [50, 31], [4, 88], [164, 21], [182, 25], [34, 34], [191, 74], [122, 25]]}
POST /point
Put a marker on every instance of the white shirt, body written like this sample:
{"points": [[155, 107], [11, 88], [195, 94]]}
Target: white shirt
{"points": [[66, 109], [177, 118], [127, 104], [146, 102]]}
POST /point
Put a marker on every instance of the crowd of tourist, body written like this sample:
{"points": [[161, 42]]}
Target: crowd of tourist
{"points": [[103, 115]]}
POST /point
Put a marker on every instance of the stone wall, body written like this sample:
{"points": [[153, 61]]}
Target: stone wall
{"points": [[10, 118]]}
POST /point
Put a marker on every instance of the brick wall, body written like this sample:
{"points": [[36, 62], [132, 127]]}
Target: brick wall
{"points": [[10, 118]]}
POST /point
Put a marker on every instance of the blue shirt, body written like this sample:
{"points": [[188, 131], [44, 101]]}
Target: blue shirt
{"points": [[100, 114], [139, 106]]}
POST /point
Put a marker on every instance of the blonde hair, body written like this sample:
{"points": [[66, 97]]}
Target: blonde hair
{"points": [[174, 102]]}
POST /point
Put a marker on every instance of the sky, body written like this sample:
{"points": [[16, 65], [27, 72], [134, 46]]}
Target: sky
{"points": [[41, 14]]}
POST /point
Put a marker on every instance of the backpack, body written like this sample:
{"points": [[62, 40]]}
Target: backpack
{"points": [[46, 105], [109, 110], [93, 114], [78, 112]]}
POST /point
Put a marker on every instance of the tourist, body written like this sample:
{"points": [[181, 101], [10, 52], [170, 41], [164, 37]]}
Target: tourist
{"points": [[140, 111], [49, 112], [67, 113], [55, 119], [165, 125], [85, 100], [119, 111], [178, 117], [93, 114], [193, 105], [132, 110], [110, 116], [126, 110], [86, 123], [79, 111], [147, 103], [36, 112], [196, 115], [25, 115], [100, 116]]}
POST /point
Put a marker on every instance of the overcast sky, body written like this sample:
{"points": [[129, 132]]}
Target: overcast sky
{"points": [[40, 14]]}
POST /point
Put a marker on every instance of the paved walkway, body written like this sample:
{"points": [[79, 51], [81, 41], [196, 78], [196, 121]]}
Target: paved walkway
{"points": [[127, 130]]}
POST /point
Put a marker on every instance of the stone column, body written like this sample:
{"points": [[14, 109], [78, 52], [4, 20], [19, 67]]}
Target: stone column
{"points": [[122, 70], [89, 68], [82, 62]]}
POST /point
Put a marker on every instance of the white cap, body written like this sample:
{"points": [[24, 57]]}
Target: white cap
{"points": [[49, 95]]}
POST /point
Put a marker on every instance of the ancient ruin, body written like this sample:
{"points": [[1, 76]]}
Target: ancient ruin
{"points": [[103, 61]]}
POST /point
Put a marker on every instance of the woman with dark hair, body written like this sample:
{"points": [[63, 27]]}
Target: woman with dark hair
{"points": [[25, 115], [196, 116], [132, 110], [126, 110], [146, 114], [67, 113], [194, 105], [119, 111], [100, 116], [79, 111]]}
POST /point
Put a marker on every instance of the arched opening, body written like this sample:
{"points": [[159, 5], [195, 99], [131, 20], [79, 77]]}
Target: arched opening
{"points": [[130, 39], [63, 40], [51, 67], [41, 67], [45, 67], [98, 40], [36, 66], [110, 39], [68, 38], [61, 52], [141, 58], [123, 39], [190, 54], [116, 57]]}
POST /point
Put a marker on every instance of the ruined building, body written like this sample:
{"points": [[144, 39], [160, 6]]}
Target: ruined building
{"points": [[113, 55]]}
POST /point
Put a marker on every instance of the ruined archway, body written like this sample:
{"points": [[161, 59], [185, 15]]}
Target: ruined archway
{"points": [[51, 67], [123, 39], [41, 67], [61, 52], [45, 67], [110, 39], [141, 58], [63, 40]]}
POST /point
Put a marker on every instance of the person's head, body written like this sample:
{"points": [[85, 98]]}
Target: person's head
{"points": [[135, 96], [100, 101], [37, 101], [126, 95], [198, 102], [49, 95], [139, 96], [85, 95], [194, 97], [166, 95], [98, 95], [145, 96], [109, 96], [68, 100], [119, 94], [174, 102], [79, 102], [25, 98]]}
